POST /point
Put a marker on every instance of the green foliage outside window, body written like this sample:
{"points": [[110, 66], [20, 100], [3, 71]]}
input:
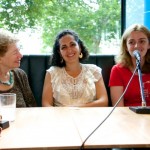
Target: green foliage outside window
{"points": [[90, 18]]}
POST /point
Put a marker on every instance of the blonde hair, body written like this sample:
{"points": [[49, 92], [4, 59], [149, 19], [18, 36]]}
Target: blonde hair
{"points": [[124, 58], [6, 38]]}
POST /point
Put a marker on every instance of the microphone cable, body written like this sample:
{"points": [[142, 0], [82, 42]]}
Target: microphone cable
{"points": [[82, 146]]}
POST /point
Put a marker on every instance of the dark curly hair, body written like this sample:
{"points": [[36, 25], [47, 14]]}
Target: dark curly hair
{"points": [[56, 59]]}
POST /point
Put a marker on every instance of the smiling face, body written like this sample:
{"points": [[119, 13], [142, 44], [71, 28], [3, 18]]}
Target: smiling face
{"points": [[69, 49], [137, 41], [11, 58]]}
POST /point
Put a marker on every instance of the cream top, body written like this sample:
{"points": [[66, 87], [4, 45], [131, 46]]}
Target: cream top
{"points": [[69, 91]]}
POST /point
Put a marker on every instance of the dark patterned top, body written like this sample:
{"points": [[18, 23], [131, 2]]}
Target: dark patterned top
{"points": [[24, 95]]}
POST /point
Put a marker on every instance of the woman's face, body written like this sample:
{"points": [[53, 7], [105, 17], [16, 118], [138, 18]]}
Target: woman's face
{"points": [[12, 57], [69, 49], [137, 41]]}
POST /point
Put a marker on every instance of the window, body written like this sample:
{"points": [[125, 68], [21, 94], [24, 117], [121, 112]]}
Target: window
{"points": [[98, 23], [137, 11]]}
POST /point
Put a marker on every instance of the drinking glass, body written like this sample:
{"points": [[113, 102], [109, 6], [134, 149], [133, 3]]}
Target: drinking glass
{"points": [[8, 106]]}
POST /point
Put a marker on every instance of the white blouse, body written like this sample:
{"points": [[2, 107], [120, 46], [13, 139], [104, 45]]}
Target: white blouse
{"points": [[69, 91]]}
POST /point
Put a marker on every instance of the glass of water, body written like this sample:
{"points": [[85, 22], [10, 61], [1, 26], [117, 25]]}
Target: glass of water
{"points": [[8, 106]]}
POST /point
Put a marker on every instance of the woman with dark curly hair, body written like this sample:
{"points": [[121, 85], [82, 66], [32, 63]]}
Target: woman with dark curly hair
{"points": [[68, 82], [136, 37]]}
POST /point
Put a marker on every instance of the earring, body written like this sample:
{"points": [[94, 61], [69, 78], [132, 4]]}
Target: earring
{"points": [[81, 55], [62, 61]]}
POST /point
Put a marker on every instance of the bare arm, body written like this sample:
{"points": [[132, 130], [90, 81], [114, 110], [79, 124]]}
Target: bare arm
{"points": [[101, 95], [47, 96], [116, 92]]}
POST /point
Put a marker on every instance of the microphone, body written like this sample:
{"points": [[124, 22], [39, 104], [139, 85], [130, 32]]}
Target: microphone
{"points": [[137, 55], [140, 109]]}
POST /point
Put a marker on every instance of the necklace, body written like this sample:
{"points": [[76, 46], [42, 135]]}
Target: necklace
{"points": [[11, 80]]}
